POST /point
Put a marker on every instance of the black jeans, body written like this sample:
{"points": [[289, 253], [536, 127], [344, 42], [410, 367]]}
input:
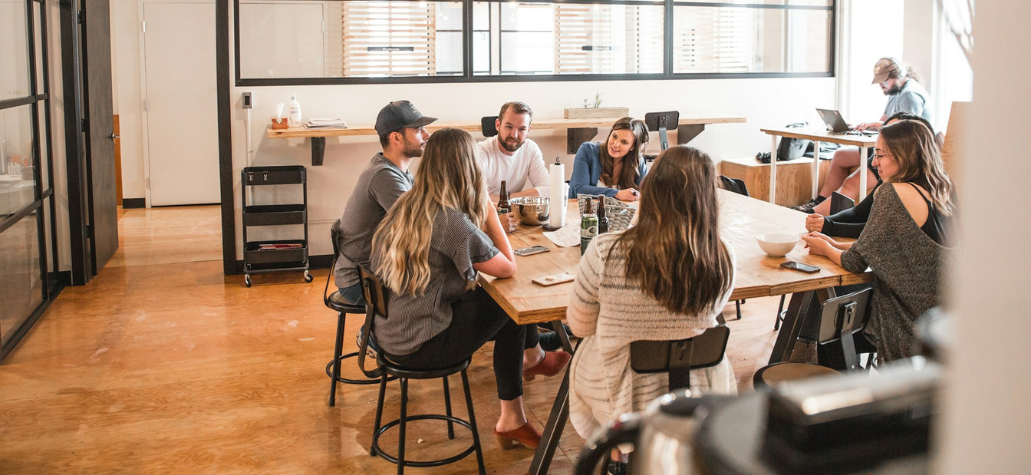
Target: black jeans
{"points": [[475, 320]]}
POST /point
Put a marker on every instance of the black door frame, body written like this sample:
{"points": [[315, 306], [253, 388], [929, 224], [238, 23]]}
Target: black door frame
{"points": [[77, 122]]}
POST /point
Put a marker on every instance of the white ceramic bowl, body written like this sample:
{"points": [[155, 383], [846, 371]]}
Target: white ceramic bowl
{"points": [[777, 245]]}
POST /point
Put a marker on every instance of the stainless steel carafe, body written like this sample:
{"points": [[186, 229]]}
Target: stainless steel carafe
{"points": [[661, 436]]}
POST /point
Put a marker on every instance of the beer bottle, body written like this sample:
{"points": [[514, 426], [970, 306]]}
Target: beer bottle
{"points": [[588, 226], [504, 206], [603, 221]]}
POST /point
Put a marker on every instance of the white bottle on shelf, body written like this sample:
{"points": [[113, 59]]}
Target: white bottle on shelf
{"points": [[295, 112]]}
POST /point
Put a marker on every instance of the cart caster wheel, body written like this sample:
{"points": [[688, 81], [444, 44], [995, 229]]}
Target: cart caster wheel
{"points": [[308, 277], [247, 280]]}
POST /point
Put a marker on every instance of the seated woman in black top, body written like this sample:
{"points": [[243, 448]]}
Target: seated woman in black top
{"points": [[427, 251], [849, 223], [908, 240]]}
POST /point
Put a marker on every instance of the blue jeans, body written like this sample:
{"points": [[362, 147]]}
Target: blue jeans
{"points": [[354, 294]]}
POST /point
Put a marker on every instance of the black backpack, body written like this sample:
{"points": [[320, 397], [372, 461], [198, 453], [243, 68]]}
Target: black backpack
{"points": [[788, 149]]}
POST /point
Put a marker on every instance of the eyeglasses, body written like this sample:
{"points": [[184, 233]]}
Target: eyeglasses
{"points": [[880, 156]]}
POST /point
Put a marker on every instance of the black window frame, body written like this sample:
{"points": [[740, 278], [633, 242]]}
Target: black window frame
{"points": [[469, 75], [43, 199]]}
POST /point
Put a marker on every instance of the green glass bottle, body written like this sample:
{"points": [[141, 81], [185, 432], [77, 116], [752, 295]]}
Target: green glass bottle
{"points": [[588, 225]]}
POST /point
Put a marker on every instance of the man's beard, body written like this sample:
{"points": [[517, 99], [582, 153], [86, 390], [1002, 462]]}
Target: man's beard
{"points": [[894, 90], [412, 151], [505, 144]]}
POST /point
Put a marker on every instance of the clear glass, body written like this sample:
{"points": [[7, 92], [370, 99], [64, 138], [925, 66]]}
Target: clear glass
{"points": [[807, 3], [19, 275], [17, 188], [349, 39], [37, 14], [44, 156], [14, 50], [750, 40], [481, 37], [564, 38]]}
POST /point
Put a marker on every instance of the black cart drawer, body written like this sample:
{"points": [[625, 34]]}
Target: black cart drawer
{"points": [[273, 215], [256, 253], [284, 175]]}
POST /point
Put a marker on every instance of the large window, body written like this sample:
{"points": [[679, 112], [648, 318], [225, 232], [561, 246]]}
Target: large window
{"points": [[350, 41]]}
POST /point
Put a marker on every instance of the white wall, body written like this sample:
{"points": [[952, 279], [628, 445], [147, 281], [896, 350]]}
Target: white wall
{"points": [[875, 30], [987, 423], [764, 102], [125, 60]]}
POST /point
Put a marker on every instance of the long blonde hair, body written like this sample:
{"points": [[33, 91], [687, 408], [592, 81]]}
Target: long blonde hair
{"points": [[675, 252], [916, 151], [448, 177]]}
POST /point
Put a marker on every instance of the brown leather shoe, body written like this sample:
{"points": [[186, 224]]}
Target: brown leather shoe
{"points": [[553, 363], [526, 435]]}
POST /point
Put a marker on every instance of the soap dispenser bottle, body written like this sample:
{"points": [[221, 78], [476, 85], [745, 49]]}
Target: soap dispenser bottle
{"points": [[295, 112]]}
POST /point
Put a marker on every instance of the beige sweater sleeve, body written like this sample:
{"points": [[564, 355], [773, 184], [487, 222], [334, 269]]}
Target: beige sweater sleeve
{"points": [[582, 313]]}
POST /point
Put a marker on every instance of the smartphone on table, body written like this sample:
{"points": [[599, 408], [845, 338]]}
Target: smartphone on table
{"points": [[529, 251], [808, 269]]}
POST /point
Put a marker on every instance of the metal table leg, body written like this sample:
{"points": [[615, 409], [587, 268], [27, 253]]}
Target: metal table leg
{"points": [[799, 307], [558, 417]]}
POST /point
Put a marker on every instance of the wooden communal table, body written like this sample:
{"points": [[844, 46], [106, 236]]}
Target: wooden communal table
{"points": [[757, 275], [578, 131], [861, 141]]}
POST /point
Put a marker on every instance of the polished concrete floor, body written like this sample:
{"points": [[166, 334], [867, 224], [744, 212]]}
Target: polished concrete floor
{"points": [[163, 364]]}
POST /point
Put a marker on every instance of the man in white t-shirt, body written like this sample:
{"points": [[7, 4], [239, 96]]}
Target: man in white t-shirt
{"points": [[511, 157]]}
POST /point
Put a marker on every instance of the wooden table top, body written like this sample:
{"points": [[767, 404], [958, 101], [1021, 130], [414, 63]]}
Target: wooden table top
{"points": [[741, 219], [539, 124], [826, 136]]}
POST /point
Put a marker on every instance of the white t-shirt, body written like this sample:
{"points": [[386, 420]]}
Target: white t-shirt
{"points": [[525, 163]]}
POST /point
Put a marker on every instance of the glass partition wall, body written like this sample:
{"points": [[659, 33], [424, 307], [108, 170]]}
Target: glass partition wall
{"points": [[282, 42], [28, 247]]}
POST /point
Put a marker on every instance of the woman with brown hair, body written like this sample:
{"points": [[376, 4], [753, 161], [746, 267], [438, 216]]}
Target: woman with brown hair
{"points": [[427, 251], [666, 278], [907, 240], [614, 169]]}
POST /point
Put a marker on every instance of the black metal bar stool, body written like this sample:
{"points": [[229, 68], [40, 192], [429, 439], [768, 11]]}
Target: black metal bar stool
{"points": [[375, 297], [840, 319], [336, 303]]}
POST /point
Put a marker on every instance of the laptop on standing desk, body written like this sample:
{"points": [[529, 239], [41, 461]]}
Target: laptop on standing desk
{"points": [[834, 120]]}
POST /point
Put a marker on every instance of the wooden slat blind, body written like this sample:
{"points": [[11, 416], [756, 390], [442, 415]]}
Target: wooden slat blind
{"points": [[584, 43], [713, 40], [386, 38]]}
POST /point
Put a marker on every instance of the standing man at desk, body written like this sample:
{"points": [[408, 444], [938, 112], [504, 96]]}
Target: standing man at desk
{"points": [[905, 94], [402, 133], [511, 157]]}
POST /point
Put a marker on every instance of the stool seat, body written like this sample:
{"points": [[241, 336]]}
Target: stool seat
{"points": [[336, 302], [400, 371], [769, 376]]}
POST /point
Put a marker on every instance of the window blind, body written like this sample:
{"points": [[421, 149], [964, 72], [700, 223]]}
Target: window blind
{"points": [[389, 39]]}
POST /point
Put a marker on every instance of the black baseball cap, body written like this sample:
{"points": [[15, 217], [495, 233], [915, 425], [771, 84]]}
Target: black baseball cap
{"points": [[399, 115]]}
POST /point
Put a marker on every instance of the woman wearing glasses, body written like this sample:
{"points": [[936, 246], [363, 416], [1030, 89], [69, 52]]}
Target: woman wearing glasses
{"points": [[907, 241]]}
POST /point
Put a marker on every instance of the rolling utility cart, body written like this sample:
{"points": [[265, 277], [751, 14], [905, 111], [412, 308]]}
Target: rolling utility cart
{"points": [[282, 255]]}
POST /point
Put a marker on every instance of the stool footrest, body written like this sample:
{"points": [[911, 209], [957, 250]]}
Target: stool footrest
{"points": [[376, 450], [329, 372]]}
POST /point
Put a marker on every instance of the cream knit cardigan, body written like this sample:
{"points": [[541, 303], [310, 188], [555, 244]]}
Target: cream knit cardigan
{"points": [[609, 313]]}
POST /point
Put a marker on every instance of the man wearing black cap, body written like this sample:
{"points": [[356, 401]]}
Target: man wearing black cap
{"points": [[402, 133], [905, 94]]}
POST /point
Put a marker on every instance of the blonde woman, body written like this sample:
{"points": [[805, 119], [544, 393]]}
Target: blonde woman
{"points": [[428, 250], [907, 240], [666, 278]]}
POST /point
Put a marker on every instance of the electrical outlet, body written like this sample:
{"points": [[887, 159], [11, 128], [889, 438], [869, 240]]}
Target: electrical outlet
{"points": [[247, 100]]}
